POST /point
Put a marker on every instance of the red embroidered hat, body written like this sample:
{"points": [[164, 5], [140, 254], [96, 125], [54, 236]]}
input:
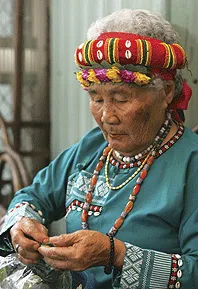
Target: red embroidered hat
{"points": [[126, 57]]}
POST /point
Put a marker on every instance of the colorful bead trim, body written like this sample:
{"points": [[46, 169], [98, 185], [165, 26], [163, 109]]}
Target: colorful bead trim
{"points": [[127, 48], [172, 141], [78, 205], [176, 272], [88, 76], [19, 205], [173, 277]]}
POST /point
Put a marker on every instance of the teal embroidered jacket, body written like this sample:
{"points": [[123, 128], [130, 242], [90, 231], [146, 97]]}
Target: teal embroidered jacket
{"points": [[164, 219]]}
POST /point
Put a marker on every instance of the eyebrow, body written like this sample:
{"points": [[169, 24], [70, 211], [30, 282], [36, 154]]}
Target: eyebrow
{"points": [[115, 91], [92, 91], [111, 91]]}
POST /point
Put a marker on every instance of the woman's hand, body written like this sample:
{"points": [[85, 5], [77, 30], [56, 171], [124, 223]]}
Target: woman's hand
{"points": [[26, 235], [81, 250]]}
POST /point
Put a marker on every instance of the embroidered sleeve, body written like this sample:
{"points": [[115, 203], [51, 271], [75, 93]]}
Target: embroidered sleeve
{"points": [[145, 269], [148, 269], [44, 199], [20, 210]]}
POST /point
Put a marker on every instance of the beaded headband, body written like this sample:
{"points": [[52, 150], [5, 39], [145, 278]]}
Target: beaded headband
{"points": [[127, 48], [128, 58]]}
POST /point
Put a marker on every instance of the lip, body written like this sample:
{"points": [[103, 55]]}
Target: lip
{"points": [[115, 135]]}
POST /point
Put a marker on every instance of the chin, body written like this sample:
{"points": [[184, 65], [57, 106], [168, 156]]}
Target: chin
{"points": [[117, 145], [121, 147], [118, 142]]}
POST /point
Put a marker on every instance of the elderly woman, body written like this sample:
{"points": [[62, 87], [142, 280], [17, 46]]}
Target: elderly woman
{"points": [[129, 187]]}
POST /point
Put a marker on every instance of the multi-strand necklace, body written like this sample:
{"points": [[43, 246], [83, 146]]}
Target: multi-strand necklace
{"points": [[150, 153]]}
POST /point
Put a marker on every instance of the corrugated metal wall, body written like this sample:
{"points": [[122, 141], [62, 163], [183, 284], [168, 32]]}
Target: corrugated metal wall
{"points": [[184, 17]]}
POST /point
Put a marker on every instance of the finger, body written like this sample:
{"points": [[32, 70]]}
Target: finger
{"points": [[53, 253], [32, 229], [58, 264], [66, 264], [36, 256], [65, 258], [18, 237], [43, 229], [27, 261], [63, 240], [60, 253]]}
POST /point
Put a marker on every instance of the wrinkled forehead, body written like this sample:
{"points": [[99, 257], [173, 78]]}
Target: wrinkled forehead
{"points": [[117, 88]]}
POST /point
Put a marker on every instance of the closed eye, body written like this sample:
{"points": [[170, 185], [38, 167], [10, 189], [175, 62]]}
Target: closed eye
{"points": [[121, 101], [98, 100]]}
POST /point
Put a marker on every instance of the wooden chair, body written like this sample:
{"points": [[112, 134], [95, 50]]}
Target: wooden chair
{"points": [[11, 159]]}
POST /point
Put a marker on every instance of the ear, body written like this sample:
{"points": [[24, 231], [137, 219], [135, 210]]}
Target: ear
{"points": [[169, 91]]}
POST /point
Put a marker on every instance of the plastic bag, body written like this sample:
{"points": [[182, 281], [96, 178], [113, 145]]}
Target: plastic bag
{"points": [[15, 275]]}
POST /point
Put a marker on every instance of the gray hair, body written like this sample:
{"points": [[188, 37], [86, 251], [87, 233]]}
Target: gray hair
{"points": [[144, 23]]}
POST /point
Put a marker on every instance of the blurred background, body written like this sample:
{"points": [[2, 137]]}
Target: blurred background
{"points": [[42, 107]]}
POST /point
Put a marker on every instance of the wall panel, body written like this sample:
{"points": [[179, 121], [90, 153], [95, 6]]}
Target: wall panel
{"points": [[184, 17]]}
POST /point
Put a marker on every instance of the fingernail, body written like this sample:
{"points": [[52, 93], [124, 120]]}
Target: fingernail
{"points": [[36, 246], [46, 240]]}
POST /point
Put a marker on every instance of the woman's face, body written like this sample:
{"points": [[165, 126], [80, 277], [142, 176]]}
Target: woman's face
{"points": [[129, 117]]}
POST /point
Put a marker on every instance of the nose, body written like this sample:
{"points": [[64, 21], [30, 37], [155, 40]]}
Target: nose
{"points": [[109, 115]]}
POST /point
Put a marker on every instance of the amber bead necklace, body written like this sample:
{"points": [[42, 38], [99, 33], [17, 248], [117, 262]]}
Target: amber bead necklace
{"points": [[144, 168]]}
